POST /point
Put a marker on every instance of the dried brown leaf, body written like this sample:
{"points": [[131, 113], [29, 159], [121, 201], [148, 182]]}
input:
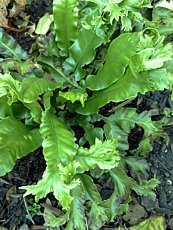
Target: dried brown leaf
{"points": [[17, 8], [21, 2], [10, 191], [3, 7], [3, 13], [3, 21]]}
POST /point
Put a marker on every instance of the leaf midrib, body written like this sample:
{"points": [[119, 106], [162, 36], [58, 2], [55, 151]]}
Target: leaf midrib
{"points": [[8, 48]]}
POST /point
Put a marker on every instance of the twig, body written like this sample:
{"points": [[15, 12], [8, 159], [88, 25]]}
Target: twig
{"points": [[162, 164], [121, 105], [4, 181], [37, 227]]}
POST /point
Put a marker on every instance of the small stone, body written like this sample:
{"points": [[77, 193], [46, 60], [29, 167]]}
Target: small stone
{"points": [[169, 182], [167, 174]]}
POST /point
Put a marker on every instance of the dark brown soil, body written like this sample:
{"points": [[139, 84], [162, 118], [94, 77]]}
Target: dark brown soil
{"points": [[36, 10], [29, 169]]}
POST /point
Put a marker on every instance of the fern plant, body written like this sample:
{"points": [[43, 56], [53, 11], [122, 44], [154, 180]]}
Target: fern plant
{"points": [[87, 59]]}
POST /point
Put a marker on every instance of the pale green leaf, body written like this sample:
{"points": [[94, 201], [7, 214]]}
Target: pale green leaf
{"points": [[11, 86], [138, 76], [53, 221], [91, 133], [111, 205], [136, 164], [90, 189], [44, 23], [74, 96], [58, 142], [47, 99], [59, 149], [165, 4], [114, 207], [102, 154], [154, 222], [145, 147], [162, 17], [52, 182]]}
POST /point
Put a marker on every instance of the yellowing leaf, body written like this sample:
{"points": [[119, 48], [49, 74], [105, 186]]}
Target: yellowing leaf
{"points": [[44, 23], [74, 96], [21, 2], [153, 222]]}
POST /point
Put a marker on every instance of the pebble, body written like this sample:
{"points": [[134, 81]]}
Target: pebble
{"points": [[167, 174], [169, 182]]}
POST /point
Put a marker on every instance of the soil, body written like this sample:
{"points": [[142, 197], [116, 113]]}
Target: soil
{"points": [[29, 169], [36, 10]]}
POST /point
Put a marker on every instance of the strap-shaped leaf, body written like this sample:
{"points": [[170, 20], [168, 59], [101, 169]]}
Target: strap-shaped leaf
{"points": [[145, 71], [122, 182], [54, 221], [97, 213], [44, 23], [65, 13], [10, 48], [82, 52], [77, 210], [16, 141], [117, 60], [52, 182], [33, 87], [59, 149], [58, 142], [145, 188], [55, 72], [102, 154], [123, 120], [127, 87]]}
